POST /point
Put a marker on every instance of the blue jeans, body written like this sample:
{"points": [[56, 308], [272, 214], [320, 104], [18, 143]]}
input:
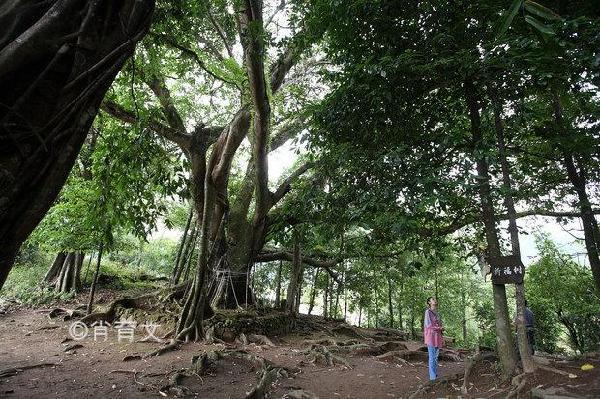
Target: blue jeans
{"points": [[433, 361]]}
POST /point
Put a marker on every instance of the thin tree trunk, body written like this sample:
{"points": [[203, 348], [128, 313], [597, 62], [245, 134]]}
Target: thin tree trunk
{"points": [[331, 301], [188, 250], [87, 269], [292, 292], [345, 299], [578, 179], [390, 306], [376, 309], [399, 305], [189, 258], [278, 286], [504, 337], [313, 293], [336, 308], [95, 281], [325, 299], [527, 360], [359, 315], [300, 287], [184, 238]]}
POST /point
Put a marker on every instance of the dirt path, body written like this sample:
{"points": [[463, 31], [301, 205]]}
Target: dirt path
{"points": [[96, 369]]}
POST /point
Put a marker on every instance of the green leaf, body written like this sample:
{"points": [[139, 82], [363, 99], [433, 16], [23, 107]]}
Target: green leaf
{"points": [[541, 27], [510, 15], [541, 11]]}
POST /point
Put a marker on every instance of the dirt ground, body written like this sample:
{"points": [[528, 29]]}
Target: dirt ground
{"points": [[95, 368]]}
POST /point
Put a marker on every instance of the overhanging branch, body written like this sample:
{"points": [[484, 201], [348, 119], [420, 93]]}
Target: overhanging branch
{"points": [[273, 254], [286, 185], [119, 112]]}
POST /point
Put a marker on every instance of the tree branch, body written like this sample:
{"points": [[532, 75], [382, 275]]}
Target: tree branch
{"points": [[221, 33], [117, 111], [159, 88], [286, 185], [473, 218], [286, 131], [191, 54], [272, 254]]}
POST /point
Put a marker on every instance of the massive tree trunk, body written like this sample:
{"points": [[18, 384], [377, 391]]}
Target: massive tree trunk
{"points": [[504, 337], [57, 59], [526, 359], [577, 175], [65, 272]]}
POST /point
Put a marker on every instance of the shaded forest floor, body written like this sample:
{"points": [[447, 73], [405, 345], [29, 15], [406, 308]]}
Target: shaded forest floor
{"points": [[324, 359]]}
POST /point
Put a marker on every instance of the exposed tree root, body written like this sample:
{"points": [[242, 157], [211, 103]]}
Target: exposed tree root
{"points": [[67, 314], [158, 299], [16, 370], [174, 386], [556, 371], [470, 364], [446, 354], [70, 348], [551, 393], [109, 315], [319, 354], [407, 355], [174, 344], [347, 331], [389, 334], [269, 372], [423, 389], [518, 385], [300, 394], [260, 340]]}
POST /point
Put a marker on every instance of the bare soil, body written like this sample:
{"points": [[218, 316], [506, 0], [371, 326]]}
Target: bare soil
{"points": [[28, 337]]}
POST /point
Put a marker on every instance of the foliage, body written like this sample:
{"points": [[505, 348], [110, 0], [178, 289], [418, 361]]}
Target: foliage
{"points": [[574, 305]]}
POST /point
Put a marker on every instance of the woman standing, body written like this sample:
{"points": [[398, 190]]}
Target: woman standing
{"points": [[432, 333]]}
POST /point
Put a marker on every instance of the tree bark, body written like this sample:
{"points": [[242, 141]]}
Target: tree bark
{"points": [[184, 262], [325, 298], [55, 268], [65, 272], [577, 178], [278, 286], [313, 292], [359, 315], [57, 60], [504, 338], [523, 342], [292, 292], [95, 281], [390, 306], [184, 238]]}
